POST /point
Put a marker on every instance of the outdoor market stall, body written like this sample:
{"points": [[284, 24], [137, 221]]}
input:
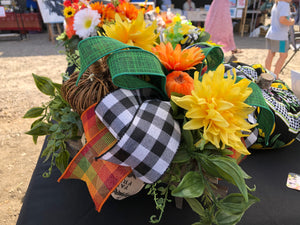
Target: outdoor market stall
{"points": [[149, 110]]}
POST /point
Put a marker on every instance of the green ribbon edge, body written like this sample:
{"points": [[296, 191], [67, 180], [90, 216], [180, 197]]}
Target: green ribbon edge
{"points": [[265, 118], [125, 66], [94, 48], [209, 51]]}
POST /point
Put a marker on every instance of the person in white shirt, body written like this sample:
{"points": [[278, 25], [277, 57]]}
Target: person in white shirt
{"points": [[189, 5], [277, 35]]}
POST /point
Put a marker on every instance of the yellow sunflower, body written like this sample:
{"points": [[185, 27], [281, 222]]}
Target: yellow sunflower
{"points": [[217, 105], [133, 33], [69, 12]]}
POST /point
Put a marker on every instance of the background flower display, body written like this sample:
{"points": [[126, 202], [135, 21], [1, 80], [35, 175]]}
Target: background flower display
{"points": [[136, 75]]}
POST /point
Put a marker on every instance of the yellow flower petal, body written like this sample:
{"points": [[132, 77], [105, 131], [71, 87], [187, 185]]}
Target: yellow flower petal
{"points": [[133, 33], [217, 106]]}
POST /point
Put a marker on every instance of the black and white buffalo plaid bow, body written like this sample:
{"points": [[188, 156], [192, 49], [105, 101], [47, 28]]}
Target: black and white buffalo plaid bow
{"points": [[148, 136]]}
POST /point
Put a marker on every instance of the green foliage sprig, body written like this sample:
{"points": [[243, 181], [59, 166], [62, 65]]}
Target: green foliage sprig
{"points": [[56, 120], [191, 174]]}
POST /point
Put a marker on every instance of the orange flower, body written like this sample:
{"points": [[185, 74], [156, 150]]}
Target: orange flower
{"points": [[179, 82], [69, 27], [107, 12], [125, 9], [168, 19], [175, 59], [98, 6]]}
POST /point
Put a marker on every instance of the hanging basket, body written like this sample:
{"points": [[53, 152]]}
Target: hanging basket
{"points": [[94, 84]]}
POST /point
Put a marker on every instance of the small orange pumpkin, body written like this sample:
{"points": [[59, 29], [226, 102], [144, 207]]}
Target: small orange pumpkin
{"points": [[179, 82]]}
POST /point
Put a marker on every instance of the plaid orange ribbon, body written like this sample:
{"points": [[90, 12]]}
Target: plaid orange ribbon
{"points": [[101, 177]]}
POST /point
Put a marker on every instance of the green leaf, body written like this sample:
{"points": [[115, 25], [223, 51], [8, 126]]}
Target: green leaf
{"points": [[235, 203], [62, 160], [47, 152], [34, 112], [59, 135], [68, 118], [224, 218], [36, 122], [191, 186], [204, 36], [54, 127], [174, 108], [181, 156], [196, 206], [56, 103], [210, 146], [230, 171], [44, 84], [232, 208], [57, 86], [187, 136], [35, 138], [40, 129], [207, 165]]}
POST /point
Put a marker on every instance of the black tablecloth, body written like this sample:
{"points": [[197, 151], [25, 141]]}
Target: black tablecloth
{"points": [[68, 202]]}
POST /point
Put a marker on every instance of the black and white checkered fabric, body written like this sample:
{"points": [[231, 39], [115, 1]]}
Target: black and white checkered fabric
{"points": [[147, 133], [252, 136]]}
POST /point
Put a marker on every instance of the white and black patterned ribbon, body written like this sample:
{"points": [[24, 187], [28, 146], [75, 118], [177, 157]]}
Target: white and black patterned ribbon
{"points": [[147, 133]]}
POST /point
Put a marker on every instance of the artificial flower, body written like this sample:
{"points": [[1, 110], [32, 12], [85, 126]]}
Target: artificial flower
{"points": [[179, 82], [107, 12], [98, 6], [69, 11], [69, 27], [175, 59], [127, 10], [85, 22], [217, 106], [135, 33], [157, 9], [67, 3]]}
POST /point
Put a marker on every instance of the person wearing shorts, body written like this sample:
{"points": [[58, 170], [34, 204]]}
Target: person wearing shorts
{"points": [[277, 35]]}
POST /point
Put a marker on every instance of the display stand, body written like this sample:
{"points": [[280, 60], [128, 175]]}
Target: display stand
{"points": [[51, 31], [19, 25], [254, 15], [51, 19]]}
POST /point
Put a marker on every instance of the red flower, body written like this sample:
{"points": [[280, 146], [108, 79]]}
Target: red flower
{"points": [[67, 3], [69, 27]]}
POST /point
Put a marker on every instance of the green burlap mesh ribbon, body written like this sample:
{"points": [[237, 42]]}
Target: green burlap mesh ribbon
{"points": [[214, 55], [136, 68], [130, 67]]}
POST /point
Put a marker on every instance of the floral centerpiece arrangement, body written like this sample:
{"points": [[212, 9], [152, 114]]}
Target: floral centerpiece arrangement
{"points": [[148, 95]]}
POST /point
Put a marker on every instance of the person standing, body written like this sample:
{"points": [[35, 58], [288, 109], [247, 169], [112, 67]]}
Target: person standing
{"points": [[277, 35], [218, 24], [189, 5]]}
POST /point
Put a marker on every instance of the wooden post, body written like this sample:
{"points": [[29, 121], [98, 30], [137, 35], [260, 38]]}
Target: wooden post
{"points": [[51, 31], [242, 24], [265, 80]]}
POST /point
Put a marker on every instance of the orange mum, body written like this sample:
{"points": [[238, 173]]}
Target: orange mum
{"points": [[179, 82], [175, 59], [107, 12], [98, 6], [125, 9]]}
